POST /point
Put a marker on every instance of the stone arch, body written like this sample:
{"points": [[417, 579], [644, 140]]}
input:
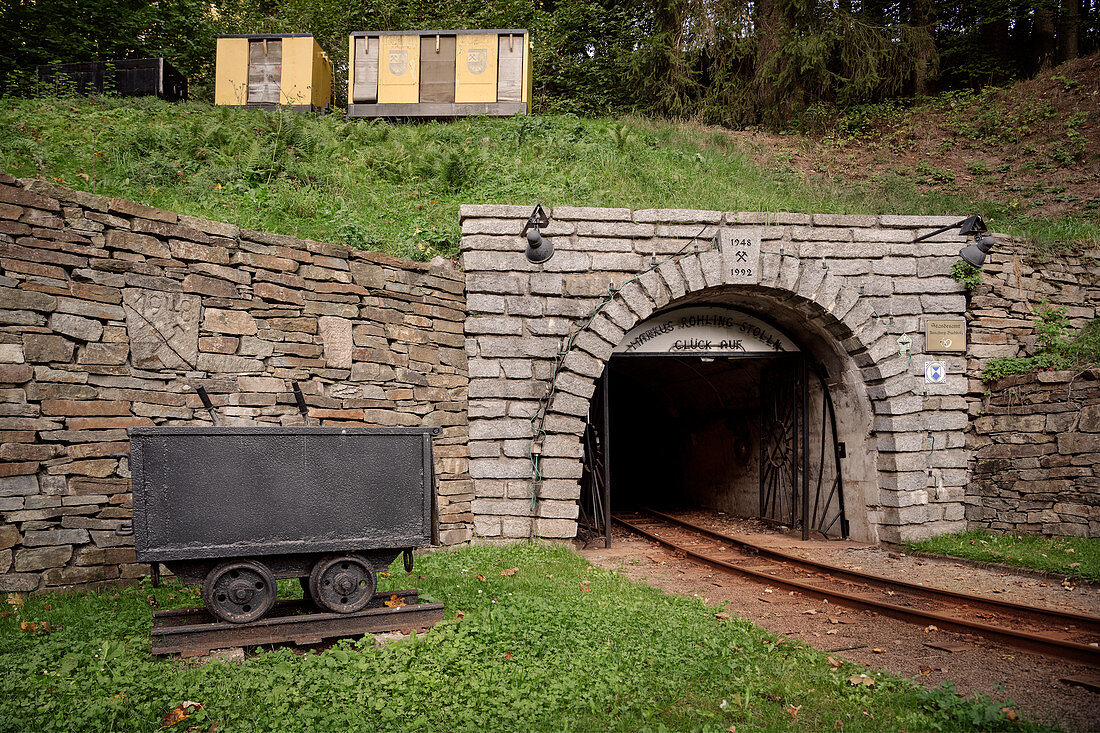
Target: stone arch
{"points": [[845, 333]]}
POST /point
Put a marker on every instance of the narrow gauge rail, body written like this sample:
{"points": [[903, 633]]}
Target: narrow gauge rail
{"points": [[1050, 632]]}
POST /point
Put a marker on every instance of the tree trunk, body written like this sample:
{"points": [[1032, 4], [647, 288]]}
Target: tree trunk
{"points": [[1043, 40], [922, 16], [768, 23], [1067, 29]]}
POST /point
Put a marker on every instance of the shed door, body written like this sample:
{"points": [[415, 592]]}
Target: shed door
{"points": [[366, 70], [265, 71], [510, 69], [437, 68]]}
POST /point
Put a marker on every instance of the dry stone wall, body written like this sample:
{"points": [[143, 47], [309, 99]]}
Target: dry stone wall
{"points": [[1015, 283], [1037, 462], [111, 313]]}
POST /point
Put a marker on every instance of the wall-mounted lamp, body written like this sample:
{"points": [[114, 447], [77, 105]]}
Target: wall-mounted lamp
{"points": [[973, 254], [539, 248]]}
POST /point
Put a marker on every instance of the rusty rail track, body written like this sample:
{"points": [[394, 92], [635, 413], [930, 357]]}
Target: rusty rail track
{"points": [[193, 631], [1047, 631]]}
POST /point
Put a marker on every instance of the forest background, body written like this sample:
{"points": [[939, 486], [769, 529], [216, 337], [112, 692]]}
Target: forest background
{"points": [[778, 63]]}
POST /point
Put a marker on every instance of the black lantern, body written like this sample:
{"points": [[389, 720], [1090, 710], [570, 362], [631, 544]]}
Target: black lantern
{"points": [[539, 248]]}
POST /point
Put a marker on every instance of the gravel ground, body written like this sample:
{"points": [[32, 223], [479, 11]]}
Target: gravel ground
{"points": [[975, 664]]}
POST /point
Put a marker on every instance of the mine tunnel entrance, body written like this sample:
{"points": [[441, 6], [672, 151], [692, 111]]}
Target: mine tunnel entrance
{"points": [[713, 408]]}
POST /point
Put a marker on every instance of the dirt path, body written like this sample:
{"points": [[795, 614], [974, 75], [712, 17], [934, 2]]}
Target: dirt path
{"points": [[978, 665]]}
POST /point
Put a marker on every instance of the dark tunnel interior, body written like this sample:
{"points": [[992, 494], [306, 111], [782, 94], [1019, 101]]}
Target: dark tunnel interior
{"points": [[684, 431]]}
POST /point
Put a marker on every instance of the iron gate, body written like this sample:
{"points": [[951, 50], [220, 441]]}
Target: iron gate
{"points": [[800, 479]]}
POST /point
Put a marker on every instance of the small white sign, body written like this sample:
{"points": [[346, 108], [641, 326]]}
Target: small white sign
{"points": [[935, 372], [740, 255]]}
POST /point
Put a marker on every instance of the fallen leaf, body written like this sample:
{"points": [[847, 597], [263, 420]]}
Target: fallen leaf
{"points": [[834, 663], [1074, 564], [1070, 550], [584, 587], [14, 599], [395, 601], [830, 632], [876, 650], [508, 655], [1009, 713], [792, 710], [85, 176], [732, 729], [480, 577], [810, 612], [861, 679], [509, 571], [178, 713], [47, 607], [930, 628], [459, 616], [721, 616], [925, 671]]}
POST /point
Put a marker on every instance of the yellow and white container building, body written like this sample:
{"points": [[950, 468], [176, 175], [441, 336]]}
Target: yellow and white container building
{"points": [[439, 73], [273, 69]]}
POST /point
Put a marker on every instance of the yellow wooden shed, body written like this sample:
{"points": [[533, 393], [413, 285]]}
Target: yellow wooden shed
{"points": [[269, 69], [439, 73]]}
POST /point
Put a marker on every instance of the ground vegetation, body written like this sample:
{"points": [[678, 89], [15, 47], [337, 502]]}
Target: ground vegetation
{"points": [[1073, 557], [535, 639]]}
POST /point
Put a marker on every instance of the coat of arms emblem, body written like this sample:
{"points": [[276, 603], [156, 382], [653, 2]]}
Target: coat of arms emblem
{"points": [[477, 59], [399, 62]]}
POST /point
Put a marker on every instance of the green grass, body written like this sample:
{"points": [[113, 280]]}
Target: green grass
{"points": [[1074, 557], [397, 188], [534, 651]]}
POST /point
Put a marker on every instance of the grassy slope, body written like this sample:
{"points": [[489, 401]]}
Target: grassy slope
{"points": [[1074, 557], [556, 646], [398, 187]]}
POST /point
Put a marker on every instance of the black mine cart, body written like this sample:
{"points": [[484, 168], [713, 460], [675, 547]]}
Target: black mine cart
{"points": [[235, 508]]}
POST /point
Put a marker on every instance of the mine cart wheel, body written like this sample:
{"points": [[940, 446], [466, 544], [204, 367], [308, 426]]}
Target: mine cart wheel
{"points": [[239, 591], [342, 583], [407, 556]]}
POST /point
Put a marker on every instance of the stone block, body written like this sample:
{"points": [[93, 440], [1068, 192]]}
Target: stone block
{"points": [[336, 337], [229, 321], [47, 348], [226, 364], [103, 538], [48, 537], [84, 329], [1071, 443], [163, 328], [9, 536], [30, 559], [1089, 419], [19, 582], [18, 485], [556, 528], [109, 354], [587, 213]]}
